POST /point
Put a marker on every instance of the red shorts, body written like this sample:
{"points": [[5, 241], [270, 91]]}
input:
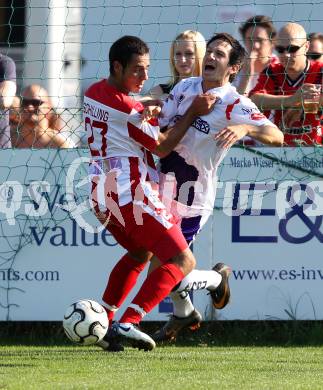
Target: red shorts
{"points": [[144, 227]]}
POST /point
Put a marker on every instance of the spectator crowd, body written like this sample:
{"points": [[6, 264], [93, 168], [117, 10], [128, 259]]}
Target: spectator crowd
{"points": [[282, 75]]}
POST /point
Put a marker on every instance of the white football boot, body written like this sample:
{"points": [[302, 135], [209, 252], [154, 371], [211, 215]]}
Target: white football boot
{"points": [[137, 338]]}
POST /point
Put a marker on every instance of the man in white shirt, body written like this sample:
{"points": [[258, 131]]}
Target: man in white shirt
{"points": [[192, 166]]}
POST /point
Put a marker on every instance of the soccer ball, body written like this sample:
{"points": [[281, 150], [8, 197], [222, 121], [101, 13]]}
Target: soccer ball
{"points": [[85, 322]]}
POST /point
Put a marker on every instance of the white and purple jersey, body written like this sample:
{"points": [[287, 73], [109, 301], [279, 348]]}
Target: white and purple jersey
{"points": [[188, 175]]}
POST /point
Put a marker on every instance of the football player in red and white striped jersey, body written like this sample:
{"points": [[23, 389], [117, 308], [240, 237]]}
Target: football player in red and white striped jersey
{"points": [[123, 197]]}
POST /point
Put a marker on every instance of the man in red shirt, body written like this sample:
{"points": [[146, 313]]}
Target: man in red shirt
{"points": [[285, 86], [124, 197], [258, 34]]}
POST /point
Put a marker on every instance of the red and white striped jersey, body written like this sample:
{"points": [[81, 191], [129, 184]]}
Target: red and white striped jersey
{"points": [[120, 142]]}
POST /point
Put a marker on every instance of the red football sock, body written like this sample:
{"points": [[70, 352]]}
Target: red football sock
{"points": [[121, 281], [155, 288]]}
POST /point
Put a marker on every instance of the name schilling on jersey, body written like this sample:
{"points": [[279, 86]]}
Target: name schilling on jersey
{"points": [[198, 124]]}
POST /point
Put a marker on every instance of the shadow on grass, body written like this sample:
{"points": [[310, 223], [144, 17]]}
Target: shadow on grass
{"points": [[256, 333], [15, 365], [213, 333]]}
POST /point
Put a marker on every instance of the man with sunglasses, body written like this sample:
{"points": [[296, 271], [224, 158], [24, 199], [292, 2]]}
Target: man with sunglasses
{"points": [[315, 50], [35, 125], [285, 86]]}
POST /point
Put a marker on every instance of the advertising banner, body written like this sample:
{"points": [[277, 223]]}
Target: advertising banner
{"points": [[266, 225]]}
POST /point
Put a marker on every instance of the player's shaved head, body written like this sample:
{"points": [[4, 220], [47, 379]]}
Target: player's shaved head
{"points": [[291, 33]]}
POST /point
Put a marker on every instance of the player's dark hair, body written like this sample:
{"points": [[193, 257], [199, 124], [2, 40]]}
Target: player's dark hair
{"points": [[258, 21], [123, 49], [237, 54]]}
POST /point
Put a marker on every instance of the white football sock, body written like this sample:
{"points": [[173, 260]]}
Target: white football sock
{"points": [[182, 303], [200, 280]]}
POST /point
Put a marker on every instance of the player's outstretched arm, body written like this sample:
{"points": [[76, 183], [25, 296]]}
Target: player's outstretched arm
{"points": [[201, 105], [266, 134], [7, 93]]}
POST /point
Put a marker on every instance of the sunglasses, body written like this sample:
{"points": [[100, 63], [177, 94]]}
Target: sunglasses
{"points": [[289, 49], [314, 56], [31, 102]]}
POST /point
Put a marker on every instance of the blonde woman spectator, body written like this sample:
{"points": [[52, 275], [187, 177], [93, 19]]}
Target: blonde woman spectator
{"points": [[37, 124], [186, 56]]}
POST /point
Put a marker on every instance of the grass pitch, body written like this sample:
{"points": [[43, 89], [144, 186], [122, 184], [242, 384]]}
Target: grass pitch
{"points": [[171, 367]]}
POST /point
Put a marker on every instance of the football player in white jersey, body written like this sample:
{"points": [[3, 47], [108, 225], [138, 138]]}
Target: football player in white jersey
{"points": [[122, 172], [188, 175]]}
